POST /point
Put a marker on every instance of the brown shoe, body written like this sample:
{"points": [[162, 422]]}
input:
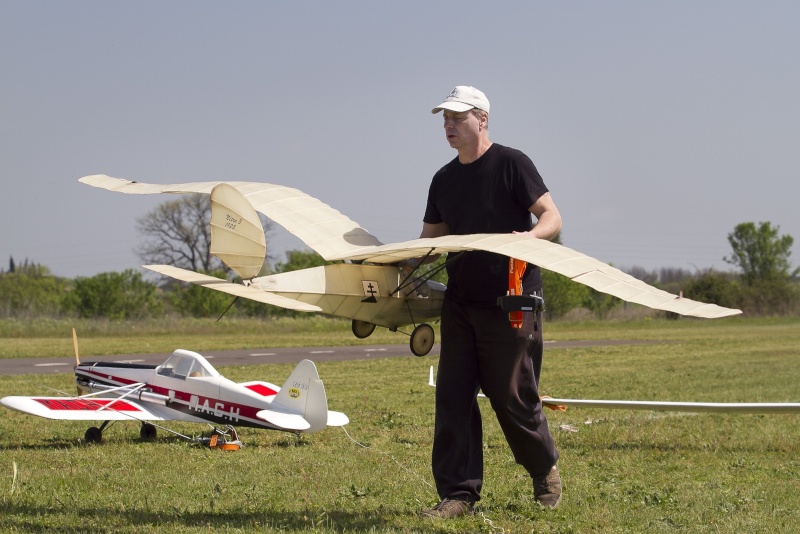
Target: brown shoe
{"points": [[547, 488], [448, 509]]}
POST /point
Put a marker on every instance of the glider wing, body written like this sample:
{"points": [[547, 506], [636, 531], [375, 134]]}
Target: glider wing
{"points": [[321, 227], [694, 407], [553, 257]]}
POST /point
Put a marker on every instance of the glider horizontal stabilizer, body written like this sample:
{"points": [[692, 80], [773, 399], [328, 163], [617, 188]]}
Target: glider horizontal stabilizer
{"points": [[237, 290]]}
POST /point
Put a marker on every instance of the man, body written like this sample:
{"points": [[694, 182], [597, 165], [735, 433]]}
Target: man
{"points": [[488, 188]]}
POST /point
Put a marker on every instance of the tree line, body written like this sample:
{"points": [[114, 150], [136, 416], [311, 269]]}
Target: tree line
{"points": [[177, 233]]}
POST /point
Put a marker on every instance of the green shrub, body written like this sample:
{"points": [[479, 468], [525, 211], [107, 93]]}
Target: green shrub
{"points": [[124, 295], [31, 295]]}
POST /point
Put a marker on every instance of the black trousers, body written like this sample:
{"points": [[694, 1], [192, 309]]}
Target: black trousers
{"points": [[480, 349]]}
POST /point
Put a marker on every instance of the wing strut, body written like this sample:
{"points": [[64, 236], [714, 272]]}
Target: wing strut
{"points": [[427, 275], [419, 281], [228, 308]]}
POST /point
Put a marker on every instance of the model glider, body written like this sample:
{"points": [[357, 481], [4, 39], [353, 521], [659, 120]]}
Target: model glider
{"points": [[186, 387], [367, 286], [664, 406]]}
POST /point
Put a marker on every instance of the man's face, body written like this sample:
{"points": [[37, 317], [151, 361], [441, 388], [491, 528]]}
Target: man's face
{"points": [[461, 128]]}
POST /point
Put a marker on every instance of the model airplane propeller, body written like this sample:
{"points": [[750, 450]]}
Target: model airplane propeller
{"points": [[186, 387], [367, 287]]}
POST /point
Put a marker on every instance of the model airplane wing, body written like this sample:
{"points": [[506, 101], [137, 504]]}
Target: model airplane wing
{"points": [[553, 257], [237, 290], [335, 237], [318, 225], [83, 409]]}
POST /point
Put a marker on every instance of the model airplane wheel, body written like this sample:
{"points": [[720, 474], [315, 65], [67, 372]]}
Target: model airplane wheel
{"points": [[147, 432], [362, 329], [422, 339], [93, 435]]}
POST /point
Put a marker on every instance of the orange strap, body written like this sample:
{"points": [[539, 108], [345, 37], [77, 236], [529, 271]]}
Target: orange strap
{"points": [[556, 407], [516, 268]]}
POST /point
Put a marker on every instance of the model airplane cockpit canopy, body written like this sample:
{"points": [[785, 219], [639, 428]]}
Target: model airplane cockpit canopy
{"points": [[183, 364]]}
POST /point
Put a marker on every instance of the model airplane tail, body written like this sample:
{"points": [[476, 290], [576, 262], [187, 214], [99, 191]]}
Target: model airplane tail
{"points": [[237, 237], [301, 404]]}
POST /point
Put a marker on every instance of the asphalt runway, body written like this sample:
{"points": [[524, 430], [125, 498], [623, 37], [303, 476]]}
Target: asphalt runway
{"points": [[222, 358]]}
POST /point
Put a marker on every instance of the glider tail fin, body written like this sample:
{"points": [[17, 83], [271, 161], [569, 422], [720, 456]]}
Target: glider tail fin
{"points": [[301, 404], [237, 237]]}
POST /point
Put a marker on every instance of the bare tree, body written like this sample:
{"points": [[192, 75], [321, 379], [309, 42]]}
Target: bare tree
{"points": [[673, 275], [640, 273], [178, 234]]}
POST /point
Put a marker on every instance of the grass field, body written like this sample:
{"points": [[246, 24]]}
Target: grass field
{"points": [[623, 471]]}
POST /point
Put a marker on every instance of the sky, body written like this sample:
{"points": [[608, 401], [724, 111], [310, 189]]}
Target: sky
{"points": [[657, 126]]}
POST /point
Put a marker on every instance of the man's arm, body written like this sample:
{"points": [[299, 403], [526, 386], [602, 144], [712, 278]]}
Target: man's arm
{"points": [[548, 218], [428, 230], [434, 230]]}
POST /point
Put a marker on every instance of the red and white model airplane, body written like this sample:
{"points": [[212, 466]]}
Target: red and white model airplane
{"points": [[367, 287], [186, 387]]}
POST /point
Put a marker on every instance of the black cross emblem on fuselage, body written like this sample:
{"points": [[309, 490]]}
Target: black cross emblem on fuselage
{"points": [[371, 291]]}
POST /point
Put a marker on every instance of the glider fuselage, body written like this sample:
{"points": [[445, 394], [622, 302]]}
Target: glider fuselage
{"points": [[360, 291]]}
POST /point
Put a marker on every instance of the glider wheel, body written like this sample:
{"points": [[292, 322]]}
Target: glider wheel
{"points": [[362, 329], [93, 435], [147, 432], [422, 339]]}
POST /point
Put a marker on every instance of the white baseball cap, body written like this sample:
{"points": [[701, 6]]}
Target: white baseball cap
{"points": [[464, 98]]}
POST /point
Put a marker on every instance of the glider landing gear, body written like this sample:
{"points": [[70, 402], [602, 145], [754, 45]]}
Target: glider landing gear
{"points": [[362, 329], [422, 339]]}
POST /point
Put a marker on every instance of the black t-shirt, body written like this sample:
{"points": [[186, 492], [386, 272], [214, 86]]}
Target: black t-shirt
{"points": [[490, 195]]}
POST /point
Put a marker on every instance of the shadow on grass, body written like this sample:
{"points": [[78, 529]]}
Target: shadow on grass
{"points": [[289, 441], [24, 518], [79, 443]]}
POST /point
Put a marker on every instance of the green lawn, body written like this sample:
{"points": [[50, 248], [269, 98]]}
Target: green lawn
{"points": [[623, 471]]}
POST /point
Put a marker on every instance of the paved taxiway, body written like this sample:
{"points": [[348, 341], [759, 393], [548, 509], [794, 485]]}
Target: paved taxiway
{"points": [[221, 358]]}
